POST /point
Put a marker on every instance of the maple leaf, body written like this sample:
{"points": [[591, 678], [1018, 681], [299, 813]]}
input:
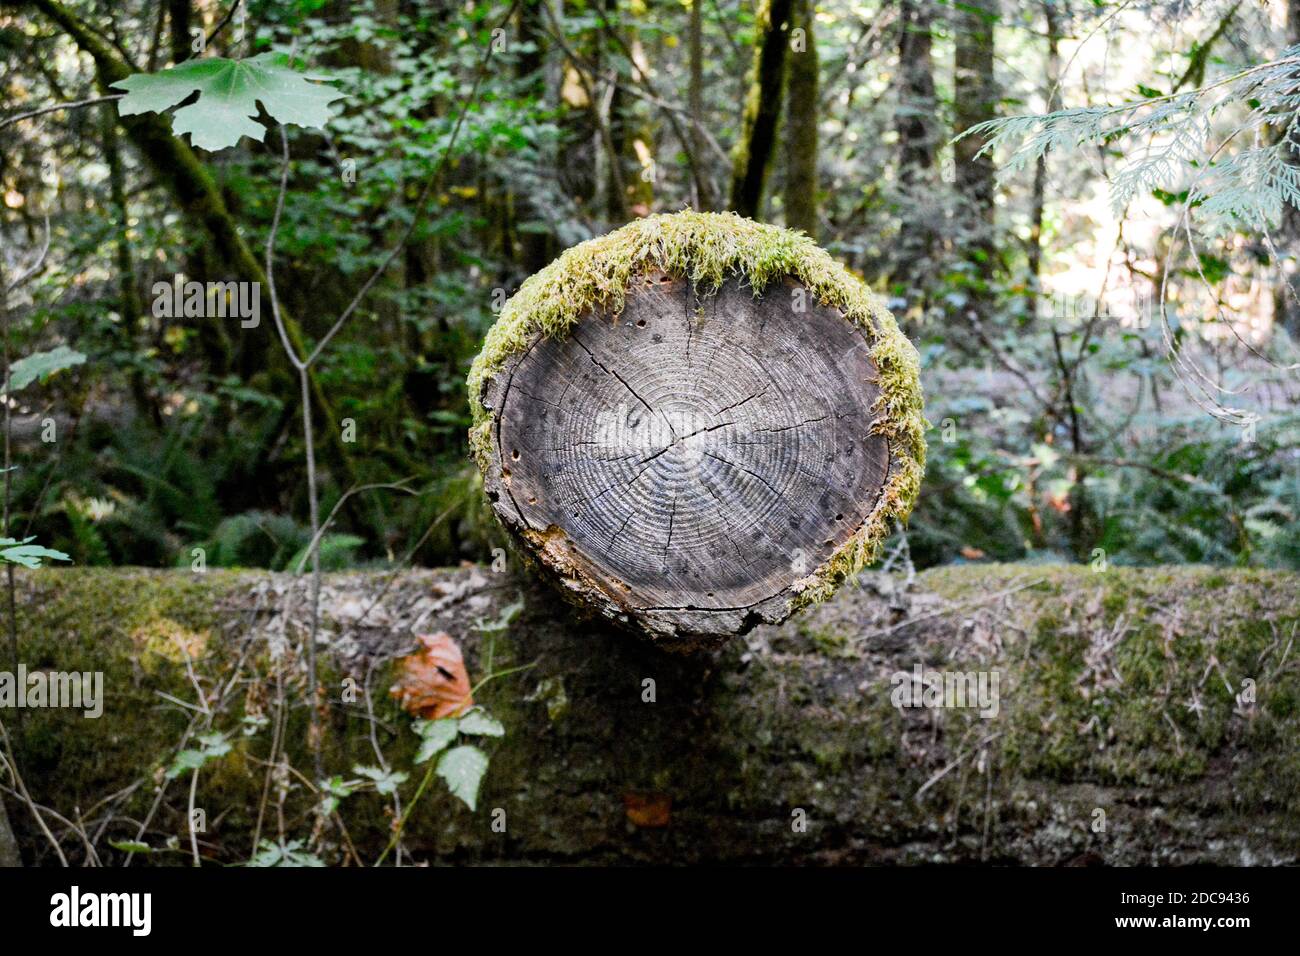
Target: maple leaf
{"points": [[432, 683], [229, 91], [41, 365]]}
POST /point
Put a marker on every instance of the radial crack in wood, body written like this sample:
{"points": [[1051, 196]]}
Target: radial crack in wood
{"points": [[697, 423], [683, 464]]}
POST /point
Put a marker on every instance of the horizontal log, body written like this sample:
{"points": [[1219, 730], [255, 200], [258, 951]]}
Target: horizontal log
{"points": [[1141, 716]]}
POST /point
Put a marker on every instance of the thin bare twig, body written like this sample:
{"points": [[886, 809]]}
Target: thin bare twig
{"points": [[21, 787], [77, 104], [304, 364], [385, 485], [194, 839], [7, 287], [944, 612]]}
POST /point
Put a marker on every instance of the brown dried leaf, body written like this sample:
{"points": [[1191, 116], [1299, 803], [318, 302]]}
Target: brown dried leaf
{"points": [[432, 683], [648, 810]]}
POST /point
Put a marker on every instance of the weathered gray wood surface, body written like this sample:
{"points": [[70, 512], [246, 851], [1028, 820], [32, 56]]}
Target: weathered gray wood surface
{"points": [[679, 466]]}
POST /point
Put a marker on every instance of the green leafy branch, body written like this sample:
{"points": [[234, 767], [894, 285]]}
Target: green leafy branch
{"points": [[229, 92], [1181, 146], [461, 768], [41, 365], [25, 371], [27, 554]]}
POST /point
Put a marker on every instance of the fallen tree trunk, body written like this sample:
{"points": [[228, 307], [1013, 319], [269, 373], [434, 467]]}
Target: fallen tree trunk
{"points": [[1137, 716]]}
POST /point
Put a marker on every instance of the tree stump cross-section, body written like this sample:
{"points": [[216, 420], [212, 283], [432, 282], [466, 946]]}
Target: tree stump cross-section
{"points": [[697, 423], [681, 465]]}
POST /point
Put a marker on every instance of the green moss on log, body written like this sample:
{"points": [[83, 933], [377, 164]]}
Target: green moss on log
{"points": [[1119, 691], [707, 248]]}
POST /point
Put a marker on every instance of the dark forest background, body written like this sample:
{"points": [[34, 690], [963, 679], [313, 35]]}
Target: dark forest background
{"points": [[1107, 381]]}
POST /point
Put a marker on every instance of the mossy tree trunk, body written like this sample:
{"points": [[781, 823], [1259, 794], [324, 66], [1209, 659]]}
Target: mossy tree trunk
{"points": [[1286, 301], [705, 201], [975, 96], [536, 246], [697, 423], [757, 141], [664, 469], [130, 303], [1038, 194], [1144, 716], [918, 142], [801, 117]]}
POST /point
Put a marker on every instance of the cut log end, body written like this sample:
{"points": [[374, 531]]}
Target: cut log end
{"points": [[684, 466]]}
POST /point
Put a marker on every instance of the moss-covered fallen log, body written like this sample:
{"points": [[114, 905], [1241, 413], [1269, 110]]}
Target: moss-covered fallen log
{"points": [[1141, 716]]}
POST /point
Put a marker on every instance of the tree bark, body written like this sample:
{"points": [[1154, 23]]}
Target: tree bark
{"points": [[975, 97], [1109, 745], [918, 139], [1034, 250], [801, 118], [537, 246], [625, 189], [705, 199], [1286, 301], [178, 14], [130, 304], [754, 148]]}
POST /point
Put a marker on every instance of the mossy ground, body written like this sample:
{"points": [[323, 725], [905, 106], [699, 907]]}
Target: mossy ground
{"points": [[707, 248]]}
